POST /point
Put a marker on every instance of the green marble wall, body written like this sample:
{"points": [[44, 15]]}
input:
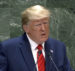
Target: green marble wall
{"points": [[62, 21]]}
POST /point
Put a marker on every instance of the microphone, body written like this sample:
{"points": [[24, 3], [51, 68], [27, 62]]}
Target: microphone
{"points": [[50, 58], [39, 53]]}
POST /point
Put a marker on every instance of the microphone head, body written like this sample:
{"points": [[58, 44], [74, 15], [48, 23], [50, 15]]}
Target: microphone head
{"points": [[39, 52], [49, 52]]}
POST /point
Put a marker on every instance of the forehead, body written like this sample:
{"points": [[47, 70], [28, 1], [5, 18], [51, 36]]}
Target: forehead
{"points": [[41, 20]]}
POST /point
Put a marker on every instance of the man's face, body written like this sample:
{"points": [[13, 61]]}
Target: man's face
{"points": [[38, 30]]}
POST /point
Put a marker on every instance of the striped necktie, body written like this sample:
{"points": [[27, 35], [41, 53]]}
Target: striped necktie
{"points": [[40, 59]]}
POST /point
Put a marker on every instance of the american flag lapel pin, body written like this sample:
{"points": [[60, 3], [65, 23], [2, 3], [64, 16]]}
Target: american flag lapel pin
{"points": [[51, 51]]}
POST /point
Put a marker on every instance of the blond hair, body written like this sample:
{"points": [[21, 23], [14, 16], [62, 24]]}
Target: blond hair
{"points": [[33, 13]]}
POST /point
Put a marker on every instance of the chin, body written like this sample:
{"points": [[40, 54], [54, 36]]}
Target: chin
{"points": [[43, 40]]}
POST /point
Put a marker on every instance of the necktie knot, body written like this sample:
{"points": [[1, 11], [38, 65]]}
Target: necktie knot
{"points": [[39, 47]]}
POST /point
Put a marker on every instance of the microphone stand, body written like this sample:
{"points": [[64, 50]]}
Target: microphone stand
{"points": [[50, 58]]}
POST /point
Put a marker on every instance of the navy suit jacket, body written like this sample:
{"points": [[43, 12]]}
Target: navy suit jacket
{"points": [[16, 55]]}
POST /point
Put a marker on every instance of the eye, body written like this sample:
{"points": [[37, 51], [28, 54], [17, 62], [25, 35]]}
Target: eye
{"points": [[45, 22], [38, 24]]}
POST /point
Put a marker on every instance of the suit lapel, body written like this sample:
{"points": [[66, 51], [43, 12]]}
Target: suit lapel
{"points": [[27, 54], [46, 57], [49, 64]]}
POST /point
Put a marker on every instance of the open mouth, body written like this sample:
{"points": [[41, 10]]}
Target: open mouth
{"points": [[43, 34]]}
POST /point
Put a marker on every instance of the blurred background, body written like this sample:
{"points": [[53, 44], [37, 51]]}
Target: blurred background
{"points": [[62, 21]]}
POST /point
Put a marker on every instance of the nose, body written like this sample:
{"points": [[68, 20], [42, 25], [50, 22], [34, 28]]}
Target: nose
{"points": [[43, 27]]}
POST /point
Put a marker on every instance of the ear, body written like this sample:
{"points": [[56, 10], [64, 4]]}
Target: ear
{"points": [[26, 28]]}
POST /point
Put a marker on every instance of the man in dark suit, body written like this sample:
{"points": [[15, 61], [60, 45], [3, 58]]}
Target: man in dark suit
{"points": [[24, 53]]}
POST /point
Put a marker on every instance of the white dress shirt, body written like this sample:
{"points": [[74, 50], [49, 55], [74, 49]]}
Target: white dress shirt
{"points": [[34, 49]]}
